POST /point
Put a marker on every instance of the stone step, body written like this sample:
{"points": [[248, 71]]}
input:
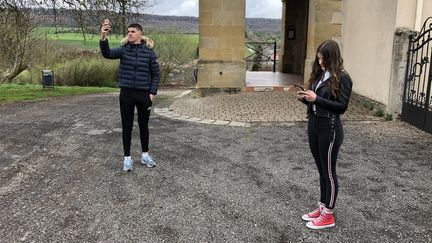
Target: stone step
{"points": [[270, 88]]}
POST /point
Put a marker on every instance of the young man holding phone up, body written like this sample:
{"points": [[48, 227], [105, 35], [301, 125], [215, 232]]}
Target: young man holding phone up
{"points": [[138, 82]]}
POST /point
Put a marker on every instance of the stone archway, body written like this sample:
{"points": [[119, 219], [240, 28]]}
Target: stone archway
{"points": [[222, 26], [306, 24], [324, 23]]}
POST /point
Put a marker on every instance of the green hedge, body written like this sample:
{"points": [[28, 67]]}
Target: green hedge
{"points": [[84, 71], [88, 72]]}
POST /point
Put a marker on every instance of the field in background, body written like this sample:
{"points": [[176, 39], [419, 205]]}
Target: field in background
{"points": [[73, 38]]}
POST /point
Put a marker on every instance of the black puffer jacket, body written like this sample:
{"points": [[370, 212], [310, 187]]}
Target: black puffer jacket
{"points": [[139, 68], [327, 104]]}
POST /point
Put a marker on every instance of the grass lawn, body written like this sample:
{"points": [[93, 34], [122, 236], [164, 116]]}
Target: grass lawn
{"points": [[10, 93], [92, 41], [72, 37], [77, 40]]}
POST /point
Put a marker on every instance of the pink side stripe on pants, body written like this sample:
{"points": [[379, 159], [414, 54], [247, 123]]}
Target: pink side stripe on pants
{"points": [[332, 185]]}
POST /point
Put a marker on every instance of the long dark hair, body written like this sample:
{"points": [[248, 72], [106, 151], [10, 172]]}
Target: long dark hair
{"points": [[333, 63]]}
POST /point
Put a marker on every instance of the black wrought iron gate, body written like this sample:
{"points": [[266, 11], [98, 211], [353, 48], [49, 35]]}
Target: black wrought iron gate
{"points": [[259, 52], [417, 100]]}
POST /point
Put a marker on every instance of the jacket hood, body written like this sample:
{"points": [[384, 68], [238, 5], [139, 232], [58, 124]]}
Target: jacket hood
{"points": [[144, 39]]}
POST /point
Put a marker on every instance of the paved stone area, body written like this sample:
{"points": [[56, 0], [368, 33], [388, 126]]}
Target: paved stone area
{"points": [[251, 107]]}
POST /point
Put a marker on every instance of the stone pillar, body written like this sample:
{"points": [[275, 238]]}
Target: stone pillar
{"points": [[397, 76], [222, 44], [283, 34], [325, 23]]}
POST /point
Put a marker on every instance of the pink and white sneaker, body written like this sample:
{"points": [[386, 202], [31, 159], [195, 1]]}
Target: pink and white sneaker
{"points": [[314, 214], [325, 220]]}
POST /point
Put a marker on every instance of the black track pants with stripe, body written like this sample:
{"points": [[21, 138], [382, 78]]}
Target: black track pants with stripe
{"points": [[325, 138]]}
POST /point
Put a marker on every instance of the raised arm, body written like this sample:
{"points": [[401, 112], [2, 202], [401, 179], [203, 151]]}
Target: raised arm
{"points": [[104, 45], [107, 52]]}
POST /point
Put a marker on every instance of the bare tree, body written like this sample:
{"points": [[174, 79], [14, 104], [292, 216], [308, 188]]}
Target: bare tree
{"points": [[90, 13], [16, 37], [19, 18], [130, 9]]}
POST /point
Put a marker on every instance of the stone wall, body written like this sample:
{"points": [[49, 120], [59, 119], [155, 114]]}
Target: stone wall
{"points": [[222, 44], [324, 23]]}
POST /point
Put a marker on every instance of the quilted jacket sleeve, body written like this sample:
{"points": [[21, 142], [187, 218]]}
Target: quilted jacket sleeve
{"points": [[155, 74], [114, 53]]}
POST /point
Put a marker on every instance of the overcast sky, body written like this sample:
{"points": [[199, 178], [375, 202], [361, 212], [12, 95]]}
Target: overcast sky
{"points": [[254, 8]]}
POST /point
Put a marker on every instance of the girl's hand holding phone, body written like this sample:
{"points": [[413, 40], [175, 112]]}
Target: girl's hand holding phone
{"points": [[301, 95], [308, 95]]}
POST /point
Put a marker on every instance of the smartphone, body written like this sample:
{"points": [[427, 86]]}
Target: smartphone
{"points": [[106, 22], [299, 86]]}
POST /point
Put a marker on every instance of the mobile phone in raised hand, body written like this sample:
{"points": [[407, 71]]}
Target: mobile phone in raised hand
{"points": [[106, 23]]}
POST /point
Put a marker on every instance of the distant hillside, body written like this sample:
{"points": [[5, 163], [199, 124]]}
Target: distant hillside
{"points": [[263, 25], [179, 23], [190, 24], [183, 24]]}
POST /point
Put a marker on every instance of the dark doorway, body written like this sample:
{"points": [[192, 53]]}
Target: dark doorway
{"points": [[294, 36]]}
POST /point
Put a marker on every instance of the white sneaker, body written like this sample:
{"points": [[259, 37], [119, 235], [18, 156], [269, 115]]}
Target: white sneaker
{"points": [[127, 164], [148, 160]]}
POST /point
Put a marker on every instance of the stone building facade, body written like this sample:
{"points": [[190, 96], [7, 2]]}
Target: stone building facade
{"points": [[370, 33]]}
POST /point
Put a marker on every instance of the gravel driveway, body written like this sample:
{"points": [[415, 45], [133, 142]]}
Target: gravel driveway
{"points": [[61, 179]]}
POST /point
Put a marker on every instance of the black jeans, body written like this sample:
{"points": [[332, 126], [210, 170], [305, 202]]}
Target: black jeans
{"points": [[129, 99], [325, 138]]}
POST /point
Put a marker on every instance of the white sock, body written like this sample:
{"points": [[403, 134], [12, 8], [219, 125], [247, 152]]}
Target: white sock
{"points": [[328, 211], [144, 153], [128, 157]]}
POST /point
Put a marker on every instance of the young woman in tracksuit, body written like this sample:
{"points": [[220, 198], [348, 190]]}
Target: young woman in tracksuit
{"points": [[327, 95], [138, 81]]}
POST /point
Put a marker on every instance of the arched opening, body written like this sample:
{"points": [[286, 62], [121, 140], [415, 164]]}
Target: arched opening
{"points": [[264, 72], [222, 46], [263, 34]]}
